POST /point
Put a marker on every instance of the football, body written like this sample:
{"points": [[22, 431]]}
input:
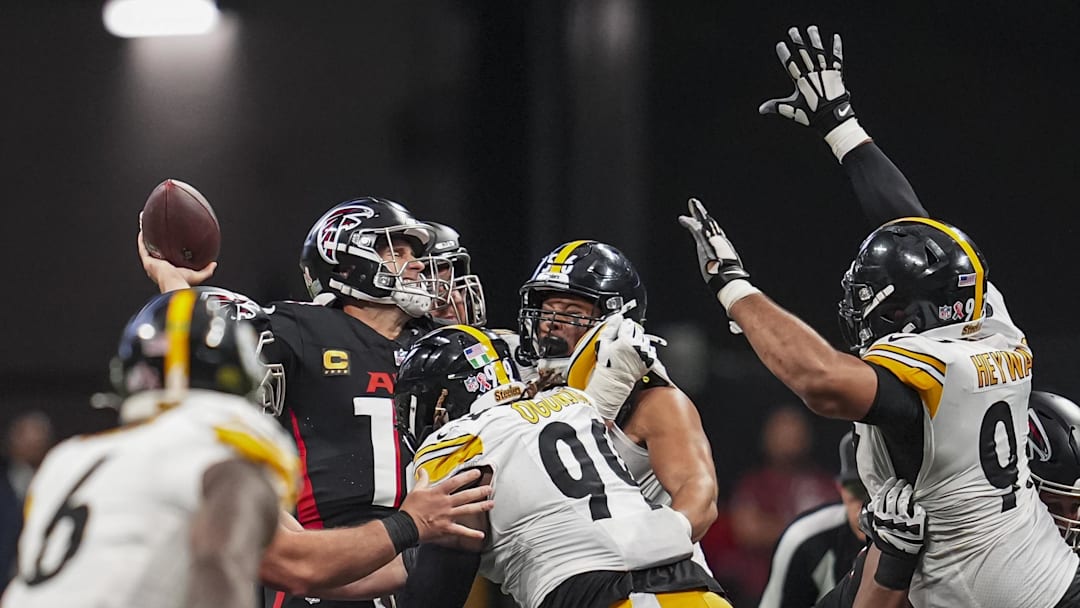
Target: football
{"points": [[179, 225]]}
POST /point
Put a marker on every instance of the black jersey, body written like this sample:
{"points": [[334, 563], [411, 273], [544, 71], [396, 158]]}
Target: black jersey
{"points": [[814, 553], [339, 387]]}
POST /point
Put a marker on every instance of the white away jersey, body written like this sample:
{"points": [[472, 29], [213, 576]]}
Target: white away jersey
{"points": [[109, 515], [564, 502], [991, 542]]}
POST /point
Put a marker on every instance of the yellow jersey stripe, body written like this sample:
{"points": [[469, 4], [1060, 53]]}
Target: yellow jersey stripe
{"points": [[581, 368], [933, 362], [500, 372], [564, 253], [980, 273], [928, 387], [177, 334], [441, 467], [449, 443], [261, 451], [675, 599]]}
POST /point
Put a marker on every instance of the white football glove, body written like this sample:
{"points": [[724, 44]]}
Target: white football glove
{"points": [[899, 523], [609, 360], [898, 529]]}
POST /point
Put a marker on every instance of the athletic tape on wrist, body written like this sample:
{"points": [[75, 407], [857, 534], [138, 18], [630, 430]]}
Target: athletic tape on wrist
{"points": [[402, 530], [845, 138], [735, 291]]}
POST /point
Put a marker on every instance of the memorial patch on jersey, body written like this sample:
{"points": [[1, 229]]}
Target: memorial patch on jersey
{"points": [[920, 371], [335, 362]]}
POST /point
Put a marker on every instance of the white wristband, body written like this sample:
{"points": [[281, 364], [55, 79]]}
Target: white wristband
{"points": [[735, 291], [847, 136]]}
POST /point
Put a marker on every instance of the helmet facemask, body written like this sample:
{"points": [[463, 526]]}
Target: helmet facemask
{"points": [[350, 254], [395, 280], [1053, 454], [459, 294], [590, 271], [1068, 497]]}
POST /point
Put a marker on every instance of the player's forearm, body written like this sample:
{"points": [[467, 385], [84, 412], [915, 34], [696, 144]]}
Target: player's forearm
{"points": [[235, 521], [303, 562], [831, 383], [384, 581], [696, 499], [873, 594], [218, 581]]}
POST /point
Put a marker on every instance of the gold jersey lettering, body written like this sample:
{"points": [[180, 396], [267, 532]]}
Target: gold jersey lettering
{"points": [[533, 411], [1001, 366]]}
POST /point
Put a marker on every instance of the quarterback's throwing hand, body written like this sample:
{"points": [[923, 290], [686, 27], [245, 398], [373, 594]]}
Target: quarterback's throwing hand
{"points": [[168, 277]]}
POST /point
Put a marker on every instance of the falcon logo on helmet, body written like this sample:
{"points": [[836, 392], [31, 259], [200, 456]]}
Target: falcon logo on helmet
{"points": [[343, 257], [1054, 459], [342, 218]]}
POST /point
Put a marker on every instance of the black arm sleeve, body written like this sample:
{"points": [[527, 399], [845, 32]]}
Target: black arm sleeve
{"points": [[440, 577], [896, 405], [882, 190], [898, 412]]}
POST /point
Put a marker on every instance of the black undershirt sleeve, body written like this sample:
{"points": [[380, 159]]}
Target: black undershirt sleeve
{"points": [[439, 577], [897, 412], [882, 190], [896, 405]]}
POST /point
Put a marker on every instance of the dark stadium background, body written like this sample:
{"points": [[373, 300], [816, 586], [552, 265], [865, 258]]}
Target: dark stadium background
{"points": [[527, 124]]}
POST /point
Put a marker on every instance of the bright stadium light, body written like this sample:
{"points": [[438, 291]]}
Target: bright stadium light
{"points": [[142, 18]]}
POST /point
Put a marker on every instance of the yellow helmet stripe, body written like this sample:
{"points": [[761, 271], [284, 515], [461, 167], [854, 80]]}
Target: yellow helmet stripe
{"points": [[980, 273], [177, 333], [500, 371], [564, 253]]}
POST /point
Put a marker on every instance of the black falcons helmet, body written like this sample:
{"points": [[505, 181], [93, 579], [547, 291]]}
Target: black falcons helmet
{"points": [[1054, 454], [593, 270], [461, 296], [446, 371], [340, 257], [911, 275], [181, 340]]}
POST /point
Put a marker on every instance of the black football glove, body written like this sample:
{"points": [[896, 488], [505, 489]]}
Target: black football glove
{"points": [[820, 99], [717, 260], [898, 529]]}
